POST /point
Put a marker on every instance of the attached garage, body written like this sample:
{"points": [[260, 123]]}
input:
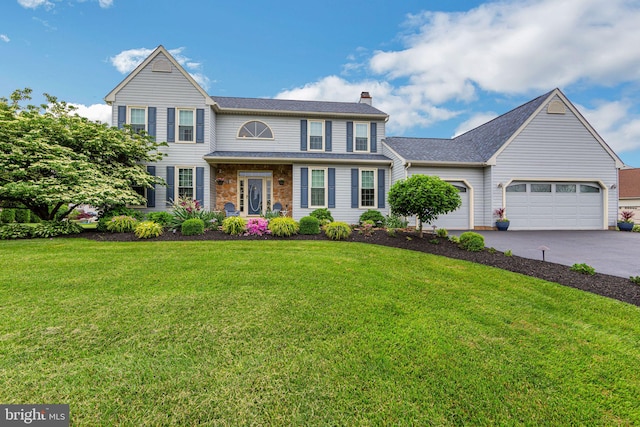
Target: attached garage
{"points": [[555, 206], [458, 219]]}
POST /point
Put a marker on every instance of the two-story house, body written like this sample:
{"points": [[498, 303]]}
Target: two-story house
{"points": [[542, 161]]}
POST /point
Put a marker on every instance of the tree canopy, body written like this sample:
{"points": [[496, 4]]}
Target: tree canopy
{"points": [[52, 160], [426, 197]]}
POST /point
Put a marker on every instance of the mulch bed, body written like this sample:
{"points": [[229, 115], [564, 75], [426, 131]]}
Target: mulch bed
{"points": [[602, 284]]}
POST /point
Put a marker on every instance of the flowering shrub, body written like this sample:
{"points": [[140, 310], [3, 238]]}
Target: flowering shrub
{"points": [[257, 227], [184, 209]]}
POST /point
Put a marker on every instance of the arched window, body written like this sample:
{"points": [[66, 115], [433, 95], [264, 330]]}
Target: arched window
{"points": [[255, 129]]}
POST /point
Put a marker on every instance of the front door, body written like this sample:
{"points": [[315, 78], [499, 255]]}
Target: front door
{"points": [[254, 196]]}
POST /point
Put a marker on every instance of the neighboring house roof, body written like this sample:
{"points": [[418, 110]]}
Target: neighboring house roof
{"points": [[629, 183], [267, 105], [306, 157], [481, 145]]}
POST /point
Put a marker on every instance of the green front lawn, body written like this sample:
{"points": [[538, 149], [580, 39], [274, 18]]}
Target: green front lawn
{"points": [[305, 333]]}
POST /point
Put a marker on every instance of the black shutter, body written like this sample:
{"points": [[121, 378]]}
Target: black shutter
{"points": [[381, 188], [171, 174], [199, 126], [332, 187], [122, 115], [304, 187], [303, 135], [151, 121], [354, 188], [171, 125], [151, 192], [349, 137], [327, 135]]}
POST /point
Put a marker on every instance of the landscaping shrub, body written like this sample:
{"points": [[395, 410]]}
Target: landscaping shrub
{"points": [[184, 209], [47, 229], [162, 218], [374, 216], [454, 239], [148, 229], [508, 252], [367, 228], [337, 230], [635, 279], [22, 215], [15, 231], [8, 215], [309, 225], [395, 221], [106, 215], [323, 215], [192, 227], [471, 241], [257, 227], [583, 269], [283, 226], [636, 228], [442, 232], [121, 224], [234, 225], [217, 218], [33, 218]]}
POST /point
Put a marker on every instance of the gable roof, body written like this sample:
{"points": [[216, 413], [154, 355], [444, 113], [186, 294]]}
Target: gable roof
{"points": [[111, 96], [629, 183], [271, 106], [481, 145]]}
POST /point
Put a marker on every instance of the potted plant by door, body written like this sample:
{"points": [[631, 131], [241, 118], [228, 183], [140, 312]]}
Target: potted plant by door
{"points": [[625, 223], [502, 223]]}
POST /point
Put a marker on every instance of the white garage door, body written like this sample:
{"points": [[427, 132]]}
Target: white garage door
{"points": [[554, 206], [458, 219]]}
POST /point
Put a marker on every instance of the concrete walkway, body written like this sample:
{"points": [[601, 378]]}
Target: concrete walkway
{"points": [[610, 252]]}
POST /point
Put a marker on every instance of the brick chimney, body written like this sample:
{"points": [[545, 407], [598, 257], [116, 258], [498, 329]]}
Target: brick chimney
{"points": [[365, 98]]}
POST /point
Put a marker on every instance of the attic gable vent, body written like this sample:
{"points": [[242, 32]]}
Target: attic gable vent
{"points": [[556, 107], [161, 66]]}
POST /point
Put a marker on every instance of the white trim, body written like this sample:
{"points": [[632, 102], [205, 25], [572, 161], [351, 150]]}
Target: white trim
{"points": [[326, 188], [355, 137], [176, 181], [243, 138], [375, 188], [324, 137], [138, 107], [177, 125]]}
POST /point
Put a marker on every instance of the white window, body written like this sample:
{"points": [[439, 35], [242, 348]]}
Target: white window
{"points": [[318, 188], [137, 118], [362, 137], [186, 125], [186, 179], [316, 136], [368, 188], [255, 130]]}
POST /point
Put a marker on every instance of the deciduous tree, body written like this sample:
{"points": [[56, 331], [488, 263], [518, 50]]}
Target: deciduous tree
{"points": [[52, 160]]}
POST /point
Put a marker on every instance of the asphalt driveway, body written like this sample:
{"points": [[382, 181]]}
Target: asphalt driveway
{"points": [[610, 252]]}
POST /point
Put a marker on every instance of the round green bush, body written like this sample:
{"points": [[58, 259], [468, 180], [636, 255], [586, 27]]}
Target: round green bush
{"points": [[162, 218], [337, 230], [148, 229], [309, 225], [283, 226], [471, 241], [22, 216], [234, 225], [192, 227], [323, 214], [372, 215]]}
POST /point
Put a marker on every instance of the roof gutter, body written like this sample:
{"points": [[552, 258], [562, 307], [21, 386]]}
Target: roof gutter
{"points": [[291, 161]]}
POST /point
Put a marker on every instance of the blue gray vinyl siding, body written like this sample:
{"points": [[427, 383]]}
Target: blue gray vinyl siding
{"points": [[287, 134], [177, 92], [342, 210], [575, 155]]}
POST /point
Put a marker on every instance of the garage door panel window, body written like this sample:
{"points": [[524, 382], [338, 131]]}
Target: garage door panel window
{"points": [[589, 189], [565, 188], [517, 188], [541, 188]]}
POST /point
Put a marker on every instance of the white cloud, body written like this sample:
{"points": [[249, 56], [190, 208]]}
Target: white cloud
{"points": [[5, 38], [34, 4], [616, 124], [105, 3], [516, 47], [127, 60], [473, 122], [405, 109], [95, 112]]}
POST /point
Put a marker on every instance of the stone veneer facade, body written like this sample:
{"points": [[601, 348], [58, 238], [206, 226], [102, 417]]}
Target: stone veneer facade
{"points": [[228, 190]]}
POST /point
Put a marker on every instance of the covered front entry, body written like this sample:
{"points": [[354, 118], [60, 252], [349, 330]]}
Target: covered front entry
{"points": [[255, 192], [555, 206]]}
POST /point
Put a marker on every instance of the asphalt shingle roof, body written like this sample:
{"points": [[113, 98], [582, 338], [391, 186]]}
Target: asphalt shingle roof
{"points": [[475, 146], [288, 105]]}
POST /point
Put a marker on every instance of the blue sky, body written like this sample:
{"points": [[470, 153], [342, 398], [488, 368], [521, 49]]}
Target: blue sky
{"points": [[438, 68]]}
